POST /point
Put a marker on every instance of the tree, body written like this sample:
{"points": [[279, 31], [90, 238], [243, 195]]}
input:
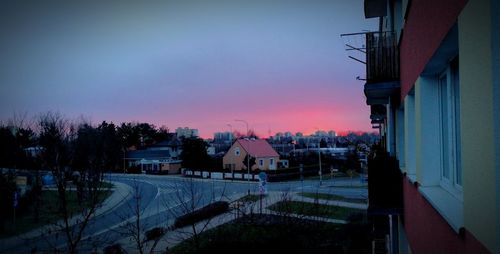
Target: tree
{"points": [[59, 138], [135, 227], [111, 146], [189, 199], [7, 148], [128, 135], [141, 134], [7, 189], [163, 133], [250, 161], [323, 143], [194, 153]]}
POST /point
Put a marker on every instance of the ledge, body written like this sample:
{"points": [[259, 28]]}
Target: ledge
{"points": [[446, 204], [412, 178]]}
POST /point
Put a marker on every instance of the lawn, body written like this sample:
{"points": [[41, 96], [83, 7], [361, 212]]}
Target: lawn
{"points": [[276, 234], [249, 198], [334, 197], [48, 212], [312, 209]]}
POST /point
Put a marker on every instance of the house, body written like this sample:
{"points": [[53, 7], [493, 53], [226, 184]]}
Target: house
{"points": [[173, 146], [266, 158], [433, 86], [159, 158]]}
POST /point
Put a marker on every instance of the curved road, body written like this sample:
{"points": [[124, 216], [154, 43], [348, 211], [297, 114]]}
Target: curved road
{"points": [[159, 200]]}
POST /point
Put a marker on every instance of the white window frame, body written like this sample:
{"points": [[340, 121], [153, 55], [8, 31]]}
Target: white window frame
{"points": [[237, 151], [271, 162], [261, 162], [450, 129]]}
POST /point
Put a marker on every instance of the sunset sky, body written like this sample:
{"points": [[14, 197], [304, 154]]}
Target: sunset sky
{"points": [[279, 65]]}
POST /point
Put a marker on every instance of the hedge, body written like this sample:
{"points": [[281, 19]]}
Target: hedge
{"points": [[203, 213]]}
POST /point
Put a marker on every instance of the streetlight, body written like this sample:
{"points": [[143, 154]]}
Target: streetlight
{"points": [[319, 157], [231, 128], [231, 165], [248, 152]]}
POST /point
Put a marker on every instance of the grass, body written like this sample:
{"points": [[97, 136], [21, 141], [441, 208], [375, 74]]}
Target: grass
{"points": [[312, 209], [276, 234], [48, 212], [106, 185], [334, 197], [249, 198]]}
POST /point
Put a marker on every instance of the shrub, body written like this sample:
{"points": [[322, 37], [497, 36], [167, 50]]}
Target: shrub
{"points": [[154, 233], [114, 249], [203, 213]]}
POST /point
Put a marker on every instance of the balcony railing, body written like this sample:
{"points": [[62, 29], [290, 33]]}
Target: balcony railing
{"points": [[382, 57], [385, 186]]}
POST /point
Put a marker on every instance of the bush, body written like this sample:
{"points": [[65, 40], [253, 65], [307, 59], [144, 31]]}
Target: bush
{"points": [[134, 170], [203, 213], [154, 233], [114, 249]]}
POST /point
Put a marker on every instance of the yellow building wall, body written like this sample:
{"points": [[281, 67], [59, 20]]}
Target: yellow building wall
{"points": [[231, 158], [477, 135], [266, 163]]}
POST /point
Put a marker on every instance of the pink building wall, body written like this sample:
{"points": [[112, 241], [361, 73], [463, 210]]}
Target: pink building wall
{"points": [[427, 24], [428, 232]]}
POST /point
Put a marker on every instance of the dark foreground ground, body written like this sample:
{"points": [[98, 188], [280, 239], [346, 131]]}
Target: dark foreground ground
{"points": [[278, 234]]}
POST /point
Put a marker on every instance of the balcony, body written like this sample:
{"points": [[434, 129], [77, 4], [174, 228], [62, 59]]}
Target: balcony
{"points": [[382, 67], [385, 189], [382, 57]]}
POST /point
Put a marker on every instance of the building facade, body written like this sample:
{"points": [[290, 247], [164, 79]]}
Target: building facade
{"points": [[266, 158], [186, 132], [433, 85]]}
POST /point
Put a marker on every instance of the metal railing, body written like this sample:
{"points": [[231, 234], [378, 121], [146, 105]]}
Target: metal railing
{"points": [[382, 57]]}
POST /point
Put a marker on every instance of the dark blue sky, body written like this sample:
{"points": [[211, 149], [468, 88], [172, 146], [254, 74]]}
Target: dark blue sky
{"points": [[279, 65]]}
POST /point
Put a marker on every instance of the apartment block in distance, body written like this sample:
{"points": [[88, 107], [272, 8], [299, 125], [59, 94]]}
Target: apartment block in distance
{"points": [[433, 86]]}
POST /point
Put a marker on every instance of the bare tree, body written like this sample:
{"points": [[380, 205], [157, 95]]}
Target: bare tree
{"points": [[191, 200], [136, 229], [57, 136]]}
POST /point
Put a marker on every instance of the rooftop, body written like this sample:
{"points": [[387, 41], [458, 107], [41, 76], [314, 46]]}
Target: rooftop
{"points": [[258, 148]]}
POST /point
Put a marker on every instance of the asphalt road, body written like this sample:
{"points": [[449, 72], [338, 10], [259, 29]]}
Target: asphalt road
{"points": [[160, 199]]}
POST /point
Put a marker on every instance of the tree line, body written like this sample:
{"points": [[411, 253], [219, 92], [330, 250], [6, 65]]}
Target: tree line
{"points": [[56, 141], [76, 153]]}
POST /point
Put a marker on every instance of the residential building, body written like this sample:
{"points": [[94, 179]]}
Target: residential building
{"points": [[223, 137], [266, 158], [173, 146], [162, 157], [186, 132], [433, 86], [153, 161]]}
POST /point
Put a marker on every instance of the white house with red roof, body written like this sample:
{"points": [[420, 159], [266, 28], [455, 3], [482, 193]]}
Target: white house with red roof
{"points": [[266, 158]]}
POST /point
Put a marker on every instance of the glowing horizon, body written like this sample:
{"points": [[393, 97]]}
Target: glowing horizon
{"points": [[279, 65]]}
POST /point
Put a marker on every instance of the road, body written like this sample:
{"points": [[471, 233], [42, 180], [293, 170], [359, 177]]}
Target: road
{"points": [[160, 199]]}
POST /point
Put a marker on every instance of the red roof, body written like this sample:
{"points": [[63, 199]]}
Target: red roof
{"points": [[258, 148]]}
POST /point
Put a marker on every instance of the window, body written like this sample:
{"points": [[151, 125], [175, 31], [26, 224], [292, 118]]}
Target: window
{"points": [[261, 162], [449, 109], [237, 151], [271, 162]]}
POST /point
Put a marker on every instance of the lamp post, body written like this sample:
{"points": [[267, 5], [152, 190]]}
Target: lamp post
{"points": [[319, 158], [231, 162], [248, 152]]}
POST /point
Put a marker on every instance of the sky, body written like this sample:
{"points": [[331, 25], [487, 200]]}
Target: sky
{"points": [[278, 65]]}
